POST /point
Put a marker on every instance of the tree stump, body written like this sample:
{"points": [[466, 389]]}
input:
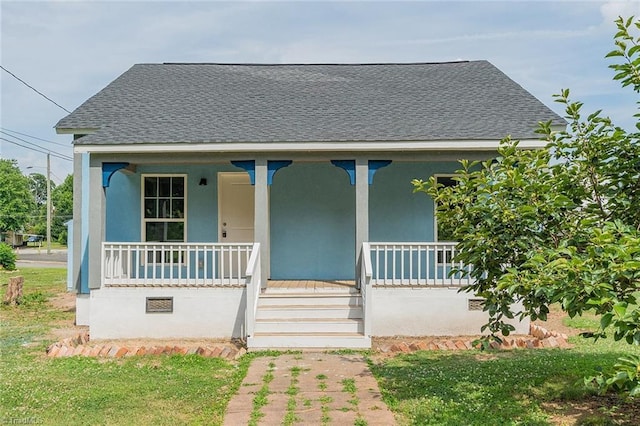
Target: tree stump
{"points": [[14, 291]]}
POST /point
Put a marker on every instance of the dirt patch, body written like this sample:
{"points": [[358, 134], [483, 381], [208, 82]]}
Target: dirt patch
{"points": [[597, 409], [65, 302]]}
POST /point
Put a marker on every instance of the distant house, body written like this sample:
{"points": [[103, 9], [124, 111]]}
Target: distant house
{"points": [[273, 202]]}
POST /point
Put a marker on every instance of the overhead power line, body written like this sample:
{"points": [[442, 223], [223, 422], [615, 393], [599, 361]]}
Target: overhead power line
{"points": [[53, 154], [36, 145], [34, 137], [35, 90], [33, 144]]}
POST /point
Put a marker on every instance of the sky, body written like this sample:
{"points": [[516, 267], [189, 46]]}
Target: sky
{"points": [[69, 50]]}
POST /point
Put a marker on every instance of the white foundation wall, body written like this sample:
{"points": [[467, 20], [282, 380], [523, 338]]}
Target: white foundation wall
{"points": [[83, 306], [428, 312], [120, 313]]}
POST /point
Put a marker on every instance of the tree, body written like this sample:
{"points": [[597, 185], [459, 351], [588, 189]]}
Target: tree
{"points": [[16, 202], [62, 197], [38, 220], [565, 231], [38, 186]]}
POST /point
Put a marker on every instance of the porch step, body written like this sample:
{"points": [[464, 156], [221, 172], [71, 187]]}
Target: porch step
{"points": [[265, 341], [309, 311], [312, 298], [313, 319], [309, 325]]}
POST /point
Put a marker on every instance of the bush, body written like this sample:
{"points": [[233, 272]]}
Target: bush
{"points": [[7, 257]]}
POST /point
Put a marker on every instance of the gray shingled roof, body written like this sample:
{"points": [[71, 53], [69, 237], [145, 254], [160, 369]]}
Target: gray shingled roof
{"points": [[198, 103]]}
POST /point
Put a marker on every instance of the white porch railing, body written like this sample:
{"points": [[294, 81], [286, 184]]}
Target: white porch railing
{"points": [[254, 285], [364, 284], [174, 264], [416, 264]]}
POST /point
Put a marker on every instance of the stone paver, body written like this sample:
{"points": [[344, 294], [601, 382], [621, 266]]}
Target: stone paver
{"points": [[316, 395]]}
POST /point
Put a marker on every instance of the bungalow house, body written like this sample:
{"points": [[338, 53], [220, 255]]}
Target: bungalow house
{"points": [[273, 202]]}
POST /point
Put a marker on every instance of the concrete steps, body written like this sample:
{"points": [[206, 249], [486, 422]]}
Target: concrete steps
{"points": [[309, 319]]}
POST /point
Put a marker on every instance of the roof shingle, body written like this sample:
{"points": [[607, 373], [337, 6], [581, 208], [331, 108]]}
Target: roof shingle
{"points": [[200, 103]]}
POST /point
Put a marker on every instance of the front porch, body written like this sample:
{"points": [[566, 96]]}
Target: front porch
{"points": [[171, 290]]}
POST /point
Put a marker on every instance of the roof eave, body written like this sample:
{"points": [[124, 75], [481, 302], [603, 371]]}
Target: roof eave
{"points": [[334, 146], [76, 131]]}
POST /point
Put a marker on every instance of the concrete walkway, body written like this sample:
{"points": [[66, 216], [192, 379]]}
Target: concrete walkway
{"points": [[309, 389]]}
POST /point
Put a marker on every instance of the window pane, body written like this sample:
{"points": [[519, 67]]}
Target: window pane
{"points": [[444, 233], [164, 208], [150, 208], [175, 231], [155, 231], [177, 187], [177, 211], [150, 187], [164, 186], [165, 231], [446, 181]]}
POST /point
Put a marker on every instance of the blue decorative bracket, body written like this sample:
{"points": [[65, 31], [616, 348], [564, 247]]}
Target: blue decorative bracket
{"points": [[349, 166], [108, 169], [273, 167], [374, 165], [249, 166]]}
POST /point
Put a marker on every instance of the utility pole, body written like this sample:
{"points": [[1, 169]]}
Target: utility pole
{"points": [[48, 203]]}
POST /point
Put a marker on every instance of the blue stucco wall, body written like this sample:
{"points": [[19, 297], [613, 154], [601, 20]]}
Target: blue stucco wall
{"points": [[123, 222], [396, 213], [312, 223]]}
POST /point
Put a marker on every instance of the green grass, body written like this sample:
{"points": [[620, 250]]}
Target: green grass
{"points": [[261, 397], [586, 321], [161, 390], [290, 418], [526, 387], [505, 387]]}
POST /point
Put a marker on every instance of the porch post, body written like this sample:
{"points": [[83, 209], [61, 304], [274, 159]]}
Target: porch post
{"points": [[77, 242], [362, 208], [261, 218], [96, 221]]}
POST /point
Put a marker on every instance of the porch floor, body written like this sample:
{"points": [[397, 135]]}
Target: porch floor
{"points": [[311, 284]]}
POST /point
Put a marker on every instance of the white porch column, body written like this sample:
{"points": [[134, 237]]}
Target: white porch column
{"points": [[261, 218], [97, 214], [362, 207]]}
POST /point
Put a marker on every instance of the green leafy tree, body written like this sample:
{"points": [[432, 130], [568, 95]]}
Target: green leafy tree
{"points": [[565, 231], [38, 186], [62, 197], [38, 217], [16, 202]]}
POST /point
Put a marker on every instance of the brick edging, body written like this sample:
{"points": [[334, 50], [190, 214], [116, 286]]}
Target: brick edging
{"points": [[80, 346], [539, 337]]}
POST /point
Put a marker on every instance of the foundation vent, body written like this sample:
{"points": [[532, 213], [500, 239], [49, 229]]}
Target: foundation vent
{"points": [[476, 304], [159, 305]]}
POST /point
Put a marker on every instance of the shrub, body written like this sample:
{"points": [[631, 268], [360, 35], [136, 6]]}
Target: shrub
{"points": [[7, 257]]}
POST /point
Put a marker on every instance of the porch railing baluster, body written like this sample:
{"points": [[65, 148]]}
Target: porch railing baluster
{"points": [[175, 264], [417, 264]]}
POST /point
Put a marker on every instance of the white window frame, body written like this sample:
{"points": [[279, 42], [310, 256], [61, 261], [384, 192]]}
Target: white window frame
{"points": [[144, 220]]}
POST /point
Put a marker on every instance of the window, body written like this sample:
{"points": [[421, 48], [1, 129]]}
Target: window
{"points": [[164, 208], [442, 233]]}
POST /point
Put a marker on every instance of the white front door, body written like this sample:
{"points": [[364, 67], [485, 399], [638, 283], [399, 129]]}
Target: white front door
{"points": [[235, 207]]}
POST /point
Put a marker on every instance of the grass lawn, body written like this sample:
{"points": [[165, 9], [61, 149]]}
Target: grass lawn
{"points": [[518, 387], [159, 390]]}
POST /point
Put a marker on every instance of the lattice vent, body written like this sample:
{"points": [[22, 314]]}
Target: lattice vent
{"points": [[476, 304], [159, 304]]}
